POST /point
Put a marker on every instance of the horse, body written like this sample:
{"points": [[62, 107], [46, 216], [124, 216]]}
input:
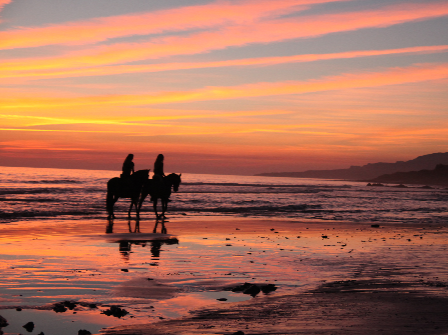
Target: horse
{"points": [[130, 187], [160, 190]]}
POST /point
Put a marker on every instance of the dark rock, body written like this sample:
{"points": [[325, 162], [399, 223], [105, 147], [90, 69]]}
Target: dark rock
{"points": [[93, 306], [84, 332], [241, 288], [124, 270], [375, 225], [115, 311], [239, 332], [253, 290], [222, 299], [3, 322], [69, 305], [375, 185], [59, 308], [29, 326], [19, 309], [268, 288]]}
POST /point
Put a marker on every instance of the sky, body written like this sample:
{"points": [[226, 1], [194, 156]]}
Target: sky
{"points": [[223, 87]]}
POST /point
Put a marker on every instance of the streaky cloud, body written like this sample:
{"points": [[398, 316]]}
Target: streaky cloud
{"points": [[265, 32], [210, 15], [390, 76], [259, 61]]}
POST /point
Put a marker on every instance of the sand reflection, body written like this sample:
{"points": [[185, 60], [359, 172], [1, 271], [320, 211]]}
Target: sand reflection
{"points": [[135, 237], [154, 269]]}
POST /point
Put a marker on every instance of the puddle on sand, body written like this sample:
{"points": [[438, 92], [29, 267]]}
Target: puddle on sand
{"points": [[163, 276], [52, 323]]}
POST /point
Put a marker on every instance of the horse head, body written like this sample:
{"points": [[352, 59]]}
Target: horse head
{"points": [[175, 181]]}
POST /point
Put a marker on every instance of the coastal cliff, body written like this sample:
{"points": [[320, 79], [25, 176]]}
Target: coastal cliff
{"points": [[371, 170], [437, 176]]}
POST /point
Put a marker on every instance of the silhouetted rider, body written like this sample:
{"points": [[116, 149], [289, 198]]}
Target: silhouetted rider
{"points": [[158, 171], [158, 167], [128, 166]]}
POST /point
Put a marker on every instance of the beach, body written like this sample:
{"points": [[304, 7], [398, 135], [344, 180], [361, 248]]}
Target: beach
{"points": [[223, 275]]}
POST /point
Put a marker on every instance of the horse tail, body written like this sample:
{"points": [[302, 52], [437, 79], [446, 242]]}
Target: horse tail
{"points": [[110, 196]]}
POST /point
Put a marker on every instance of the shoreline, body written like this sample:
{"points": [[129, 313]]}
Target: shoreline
{"points": [[330, 277], [347, 308]]}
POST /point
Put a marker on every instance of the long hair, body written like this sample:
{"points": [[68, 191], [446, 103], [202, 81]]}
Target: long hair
{"points": [[129, 158], [160, 158]]}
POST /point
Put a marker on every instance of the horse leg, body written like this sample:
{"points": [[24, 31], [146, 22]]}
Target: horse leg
{"points": [[140, 201], [137, 210], [130, 208], [110, 204], [164, 206], [154, 204], [111, 200]]}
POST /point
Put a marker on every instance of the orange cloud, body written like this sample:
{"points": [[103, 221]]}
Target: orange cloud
{"points": [[260, 61], [392, 76], [240, 35], [3, 3], [177, 19]]}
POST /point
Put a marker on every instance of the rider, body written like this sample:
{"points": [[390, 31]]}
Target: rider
{"points": [[128, 166], [158, 171]]}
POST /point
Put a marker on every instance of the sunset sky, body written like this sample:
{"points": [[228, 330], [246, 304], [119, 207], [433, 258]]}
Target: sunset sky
{"points": [[226, 87]]}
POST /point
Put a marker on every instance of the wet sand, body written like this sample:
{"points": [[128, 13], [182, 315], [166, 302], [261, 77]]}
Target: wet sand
{"points": [[324, 277]]}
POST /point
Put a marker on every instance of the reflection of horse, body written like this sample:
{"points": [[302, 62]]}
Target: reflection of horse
{"points": [[157, 190], [129, 187], [162, 229], [135, 237]]}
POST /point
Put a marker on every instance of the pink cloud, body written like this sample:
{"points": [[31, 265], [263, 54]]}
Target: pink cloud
{"points": [[177, 19], [234, 36], [3, 3]]}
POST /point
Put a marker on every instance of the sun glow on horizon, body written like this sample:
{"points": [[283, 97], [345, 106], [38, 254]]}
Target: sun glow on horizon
{"points": [[242, 85]]}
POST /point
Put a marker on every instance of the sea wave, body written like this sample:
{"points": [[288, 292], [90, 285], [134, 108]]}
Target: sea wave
{"points": [[43, 193]]}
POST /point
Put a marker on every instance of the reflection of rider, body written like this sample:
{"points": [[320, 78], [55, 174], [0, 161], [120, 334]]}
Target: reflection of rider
{"points": [[128, 166]]}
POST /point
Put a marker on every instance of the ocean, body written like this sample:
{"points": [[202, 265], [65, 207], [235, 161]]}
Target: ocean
{"points": [[65, 266], [38, 193]]}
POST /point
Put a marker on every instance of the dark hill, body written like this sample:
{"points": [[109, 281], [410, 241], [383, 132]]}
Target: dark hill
{"points": [[371, 170], [437, 176]]}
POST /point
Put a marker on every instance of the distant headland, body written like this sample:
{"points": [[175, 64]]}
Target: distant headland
{"points": [[376, 172], [437, 176]]}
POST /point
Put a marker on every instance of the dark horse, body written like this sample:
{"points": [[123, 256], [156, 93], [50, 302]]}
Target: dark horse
{"points": [[129, 187], [157, 190]]}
